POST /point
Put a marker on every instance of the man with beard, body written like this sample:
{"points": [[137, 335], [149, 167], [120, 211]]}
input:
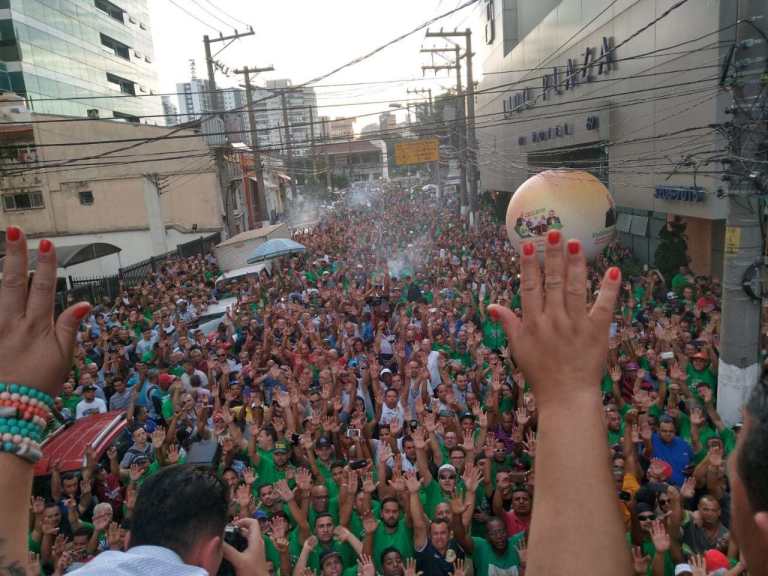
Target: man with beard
{"points": [[327, 540], [392, 531]]}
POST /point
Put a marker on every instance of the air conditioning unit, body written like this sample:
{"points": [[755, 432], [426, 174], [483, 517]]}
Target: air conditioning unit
{"points": [[93, 113]]}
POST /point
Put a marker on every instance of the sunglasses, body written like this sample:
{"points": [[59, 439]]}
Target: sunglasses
{"points": [[647, 517]]}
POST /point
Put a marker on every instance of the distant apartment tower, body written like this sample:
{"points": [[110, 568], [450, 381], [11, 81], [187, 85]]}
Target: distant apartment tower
{"points": [[387, 121], [194, 99], [298, 102], [58, 54], [170, 111], [342, 129]]}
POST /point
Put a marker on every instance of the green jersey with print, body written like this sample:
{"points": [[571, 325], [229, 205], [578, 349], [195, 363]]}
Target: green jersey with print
{"points": [[489, 562], [401, 538]]}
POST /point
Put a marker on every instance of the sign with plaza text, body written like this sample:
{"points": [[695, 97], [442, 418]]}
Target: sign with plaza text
{"points": [[417, 151]]}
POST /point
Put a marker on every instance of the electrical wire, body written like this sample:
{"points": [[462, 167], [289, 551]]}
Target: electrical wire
{"points": [[190, 14]]}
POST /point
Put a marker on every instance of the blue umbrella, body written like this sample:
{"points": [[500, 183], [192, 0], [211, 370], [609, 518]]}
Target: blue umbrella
{"points": [[274, 248]]}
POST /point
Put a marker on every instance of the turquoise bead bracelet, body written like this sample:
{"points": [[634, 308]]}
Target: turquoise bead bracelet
{"points": [[27, 391]]}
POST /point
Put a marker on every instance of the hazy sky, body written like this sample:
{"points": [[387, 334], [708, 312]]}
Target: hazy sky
{"points": [[303, 39]]}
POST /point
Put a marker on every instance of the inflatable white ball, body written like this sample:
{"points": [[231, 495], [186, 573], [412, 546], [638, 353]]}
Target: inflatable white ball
{"points": [[574, 202]]}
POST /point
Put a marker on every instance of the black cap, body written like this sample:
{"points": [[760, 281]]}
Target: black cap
{"points": [[89, 388], [328, 554]]}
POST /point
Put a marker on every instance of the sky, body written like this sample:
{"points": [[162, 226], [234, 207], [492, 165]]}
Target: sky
{"points": [[304, 39]]}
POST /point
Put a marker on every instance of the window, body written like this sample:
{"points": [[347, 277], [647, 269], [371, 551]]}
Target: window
{"points": [[127, 117], [111, 10], [125, 86], [116, 47], [86, 197], [23, 201]]}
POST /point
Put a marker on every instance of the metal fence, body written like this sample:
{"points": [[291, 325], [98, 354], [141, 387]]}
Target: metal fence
{"points": [[95, 288]]}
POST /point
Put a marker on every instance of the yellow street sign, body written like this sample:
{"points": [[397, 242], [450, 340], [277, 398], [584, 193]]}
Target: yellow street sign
{"points": [[416, 152]]}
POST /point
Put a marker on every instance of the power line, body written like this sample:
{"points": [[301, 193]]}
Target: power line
{"points": [[188, 13], [232, 18], [211, 14]]}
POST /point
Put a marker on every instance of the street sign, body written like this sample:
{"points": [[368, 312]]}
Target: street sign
{"points": [[417, 152]]}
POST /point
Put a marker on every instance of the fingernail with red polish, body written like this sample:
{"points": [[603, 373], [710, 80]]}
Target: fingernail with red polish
{"points": [[13, 233], [45, 246], [573, 247], [614, 273], [553, 237], [528, 249], [82, 310]]}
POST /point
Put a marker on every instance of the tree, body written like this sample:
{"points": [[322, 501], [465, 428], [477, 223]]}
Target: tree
{"points": [[672, 251]]}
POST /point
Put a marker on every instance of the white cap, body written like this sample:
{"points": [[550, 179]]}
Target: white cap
{"points": [[385, 371], [683, 569], [448, 467]]}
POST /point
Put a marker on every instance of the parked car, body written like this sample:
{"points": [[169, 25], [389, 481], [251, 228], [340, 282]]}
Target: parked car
{"points": [[68, 444]]}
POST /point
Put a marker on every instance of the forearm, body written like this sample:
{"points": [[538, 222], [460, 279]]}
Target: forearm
{"points": [[568, 435], [15, 492], [301, 563]]}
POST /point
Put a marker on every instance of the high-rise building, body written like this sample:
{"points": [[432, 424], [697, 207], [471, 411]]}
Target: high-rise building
{"points": [[59, 53], [298, 101], [170, 111], [194, 99], [342, 129]]}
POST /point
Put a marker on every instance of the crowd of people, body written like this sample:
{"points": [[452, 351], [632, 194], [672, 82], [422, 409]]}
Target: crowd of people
{"points": [[362, 406]]}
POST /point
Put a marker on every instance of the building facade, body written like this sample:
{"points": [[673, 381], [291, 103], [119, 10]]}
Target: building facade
{"points": [[58, 53], [145, 201], [582, 84]]}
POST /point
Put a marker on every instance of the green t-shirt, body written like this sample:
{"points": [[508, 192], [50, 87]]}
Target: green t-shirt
{"points": [[485, 557], [494, 336], [267, 473], [431, 495], [401, 538], [348, 556], [356, 522], [70, 402], [706, 376]]}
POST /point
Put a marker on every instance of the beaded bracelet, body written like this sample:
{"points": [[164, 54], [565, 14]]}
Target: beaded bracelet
{"points": [[26, 394], [36, 414], [24, 448], [25, 428]]}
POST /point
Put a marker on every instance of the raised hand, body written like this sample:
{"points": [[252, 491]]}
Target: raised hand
{"points": [[114, 537], [522, 551], [522, 417], [369, 486], [640, 562], [283, 490], [699, 565], [173, 454], [41, 349], [555, 317], [412, 482], [38, 505], [279, 527], [660, 537], [688, 489], [158, 437], [410, 567], [304, 479], [365, 566], [370, 524], [249, 476]]}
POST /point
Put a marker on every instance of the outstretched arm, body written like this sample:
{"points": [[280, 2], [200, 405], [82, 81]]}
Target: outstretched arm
{"points": [[42, 356], [565, 380]]}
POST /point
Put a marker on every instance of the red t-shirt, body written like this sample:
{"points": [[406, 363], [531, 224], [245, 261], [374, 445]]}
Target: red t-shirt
{"points": [[515, 524]]}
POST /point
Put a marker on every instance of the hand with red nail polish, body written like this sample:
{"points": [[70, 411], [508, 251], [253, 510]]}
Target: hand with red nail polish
{"points": [[41, 349], [561, 348]]}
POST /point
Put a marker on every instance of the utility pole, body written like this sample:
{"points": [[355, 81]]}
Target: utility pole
{"points": [[312, 143], [288, 144], [460, 120], [739, 362], [216, 105], [260, 192], [428, 91], [471, 148]]}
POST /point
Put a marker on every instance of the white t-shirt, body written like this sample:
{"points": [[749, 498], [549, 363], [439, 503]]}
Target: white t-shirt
{"points": [[85, 408]]}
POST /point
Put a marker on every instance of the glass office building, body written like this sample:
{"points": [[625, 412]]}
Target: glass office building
{"points": [[81, 57]]}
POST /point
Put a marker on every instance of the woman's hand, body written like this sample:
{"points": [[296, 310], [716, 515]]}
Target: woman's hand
{"points": [[41, 348]]}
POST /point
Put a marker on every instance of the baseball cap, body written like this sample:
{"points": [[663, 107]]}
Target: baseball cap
{"points": [[715, 560], [165, 379], [446, 467], [385, 371], [465, 415], [260, 515], [328, 554], [323, 442], [681, 569], [140, 459], [89, 388], [281, 446]]}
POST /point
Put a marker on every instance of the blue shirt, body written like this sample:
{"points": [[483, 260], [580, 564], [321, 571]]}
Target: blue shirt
{"points": [[677, 453]]}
